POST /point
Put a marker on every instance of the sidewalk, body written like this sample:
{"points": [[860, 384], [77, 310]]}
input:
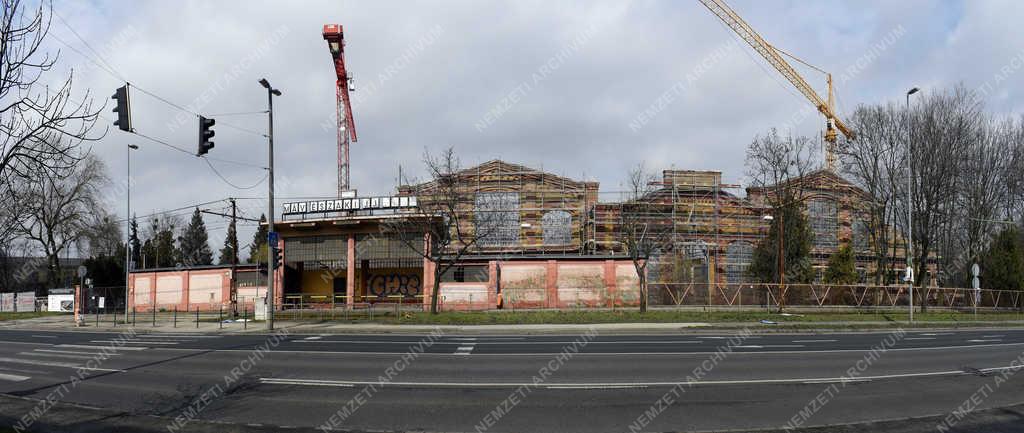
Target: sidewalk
{"points": [[65, 323]]}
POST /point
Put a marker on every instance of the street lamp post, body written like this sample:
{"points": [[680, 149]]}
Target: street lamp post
{"points": [[271, 92], [128, 226], [910, 214]]}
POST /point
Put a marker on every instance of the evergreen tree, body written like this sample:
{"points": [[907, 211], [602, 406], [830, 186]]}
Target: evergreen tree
{"points": [[229, 254], [798, 236], [193, 244], [258, 247], [842, 267], [1002, 267], [134, 242], [165, 251]]}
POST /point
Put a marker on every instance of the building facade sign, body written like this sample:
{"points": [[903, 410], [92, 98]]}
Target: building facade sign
{"points": [[349, 204]]}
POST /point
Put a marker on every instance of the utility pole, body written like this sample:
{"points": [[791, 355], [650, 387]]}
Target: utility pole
{"points": [[234, 261], [271, 92]]}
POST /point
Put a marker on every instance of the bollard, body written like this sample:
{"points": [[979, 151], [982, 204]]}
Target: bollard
{"points": [[245, 316], [133, 317], [97, 317], [175, 316], [197, 317], [154, 315], [115, 319], [220, 317]]}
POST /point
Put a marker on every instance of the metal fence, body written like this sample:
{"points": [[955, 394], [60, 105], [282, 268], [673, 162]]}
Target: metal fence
{"points": [[822, 296]]}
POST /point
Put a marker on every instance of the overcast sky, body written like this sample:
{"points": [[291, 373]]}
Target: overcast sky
{"points": [[558, 85]]}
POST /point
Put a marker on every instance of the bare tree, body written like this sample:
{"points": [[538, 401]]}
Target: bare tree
{"points": [[872, 162], [41, 126], [58, 210], [443, 228], [942, 129], [640, 235]]}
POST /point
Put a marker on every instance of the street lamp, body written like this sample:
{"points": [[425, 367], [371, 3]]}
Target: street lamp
{"points": [[271, 93], [128, 230], [910, 215]]}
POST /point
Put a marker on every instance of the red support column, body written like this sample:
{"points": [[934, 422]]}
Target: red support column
{"points": [[183, 303], [350, 272], [152, 290], [552, 284], [492, 284], [610, 282], [428, 275]]}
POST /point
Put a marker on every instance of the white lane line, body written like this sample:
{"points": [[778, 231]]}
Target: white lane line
{"points": [[464, 339], [134, 342], [57, 355], [52, 364], [109, 348], [45, 336], [309, 382], [72, 352], [465, 350], [749, 347], [814, 341], [177, 336], [993, 336], [13, 377], [21, 370], [937, 333], [621, 385], [316, 337], [982, 341], [919, 338], [534, 343]]}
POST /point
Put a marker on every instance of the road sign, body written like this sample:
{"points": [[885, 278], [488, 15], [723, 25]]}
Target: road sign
{"points": [[82, 271], [272, 239], [975, 270]]}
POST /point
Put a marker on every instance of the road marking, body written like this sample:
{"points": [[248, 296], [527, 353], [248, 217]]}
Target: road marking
{"points": [[993, 336], [465, 350], [919, 338], [177, 336], [981, 341], [53, 364], [13, 377], [45, 336], [465, 339], [77, 353], [621, 385], [109, 348], [814, 341], [316, 337], [58, 355], [307, 382], [134, 342], [937, 333]]}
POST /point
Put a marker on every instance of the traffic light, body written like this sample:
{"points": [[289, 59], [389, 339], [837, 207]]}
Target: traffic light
{"points": [[123, 108], [276, 257], [205, 134]]}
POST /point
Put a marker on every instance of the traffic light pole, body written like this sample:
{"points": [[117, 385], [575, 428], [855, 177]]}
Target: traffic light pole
{"points": [[270, 214]]}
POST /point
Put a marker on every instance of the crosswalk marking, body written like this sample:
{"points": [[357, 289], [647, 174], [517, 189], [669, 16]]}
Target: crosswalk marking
{"points": [[72, 352], [134, 342], [465, 349], [52, 364], [109, 348], [13, 377], [57, 355]]}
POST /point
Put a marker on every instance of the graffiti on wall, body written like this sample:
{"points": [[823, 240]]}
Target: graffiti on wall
{"points": [[394, 283]]}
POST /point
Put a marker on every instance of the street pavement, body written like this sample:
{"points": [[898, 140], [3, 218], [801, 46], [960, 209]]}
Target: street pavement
{"points": [[503, 383]]}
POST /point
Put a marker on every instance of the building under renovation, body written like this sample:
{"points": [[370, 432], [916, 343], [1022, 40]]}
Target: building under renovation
{"points": [[541, 241]]}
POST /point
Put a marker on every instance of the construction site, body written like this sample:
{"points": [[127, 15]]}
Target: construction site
{"points": [[549, 241]]}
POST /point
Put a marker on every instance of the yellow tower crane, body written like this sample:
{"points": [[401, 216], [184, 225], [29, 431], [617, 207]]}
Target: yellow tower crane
{"points": [[772, 55]]}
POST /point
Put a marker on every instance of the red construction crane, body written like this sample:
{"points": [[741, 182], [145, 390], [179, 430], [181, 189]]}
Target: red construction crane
{"points": [[335, 38]]}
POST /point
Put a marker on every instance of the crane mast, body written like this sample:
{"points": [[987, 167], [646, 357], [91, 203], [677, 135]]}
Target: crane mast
{"points": [[335, 38], [774, 57]]}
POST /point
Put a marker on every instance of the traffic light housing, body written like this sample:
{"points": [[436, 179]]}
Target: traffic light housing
{"points": [[123, 108], [276, 257], [205, 134]]}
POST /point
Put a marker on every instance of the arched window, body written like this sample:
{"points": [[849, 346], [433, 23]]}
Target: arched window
{"points": [[557, 226], [496, 215], [824, 223], [737, 260], [861, 236]]}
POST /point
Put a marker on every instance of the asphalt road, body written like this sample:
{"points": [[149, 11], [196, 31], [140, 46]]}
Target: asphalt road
{"points": [[506, 383]]}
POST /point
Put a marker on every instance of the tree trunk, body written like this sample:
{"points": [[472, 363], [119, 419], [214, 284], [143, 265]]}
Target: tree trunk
{"points": [[437, 288]]}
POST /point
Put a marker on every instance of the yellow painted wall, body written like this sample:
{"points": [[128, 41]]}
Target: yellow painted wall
{"points": [[314, 283]]}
